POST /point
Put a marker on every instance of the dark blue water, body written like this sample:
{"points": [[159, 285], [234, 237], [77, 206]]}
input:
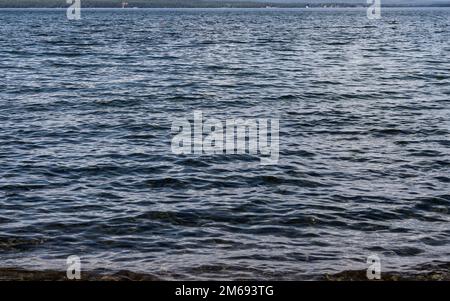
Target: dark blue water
{"points": [[86, 166]]}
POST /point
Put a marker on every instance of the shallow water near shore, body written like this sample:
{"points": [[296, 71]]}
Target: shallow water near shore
{"points": [[86, 110], [435, 272]]}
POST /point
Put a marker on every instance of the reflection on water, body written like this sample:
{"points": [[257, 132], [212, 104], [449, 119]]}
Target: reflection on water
{"points": [[86, 167]]}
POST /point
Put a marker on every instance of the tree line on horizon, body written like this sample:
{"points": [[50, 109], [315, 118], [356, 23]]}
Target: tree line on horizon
{"points": [[154, 3], [179, 3]]}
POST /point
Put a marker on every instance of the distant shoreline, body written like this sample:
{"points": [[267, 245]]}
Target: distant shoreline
{"points": [[109, 4], [218, 7]]}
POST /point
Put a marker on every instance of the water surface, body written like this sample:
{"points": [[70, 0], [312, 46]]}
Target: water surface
{"points": [[86, 167]]}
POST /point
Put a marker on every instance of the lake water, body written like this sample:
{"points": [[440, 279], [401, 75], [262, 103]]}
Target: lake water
{"points": [[86, 166]]}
